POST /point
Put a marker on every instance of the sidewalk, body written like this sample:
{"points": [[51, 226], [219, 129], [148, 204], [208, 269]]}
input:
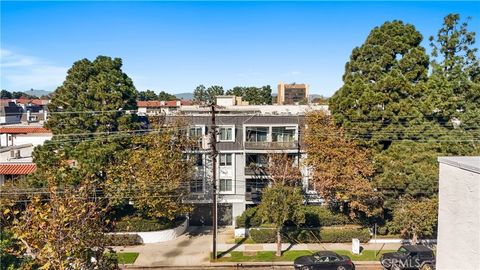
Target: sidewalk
{"points": [[312, 247]]}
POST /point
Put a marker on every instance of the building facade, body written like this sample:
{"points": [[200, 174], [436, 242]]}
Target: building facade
{"points": [[458, 242], [246, 136], [292, 93]]}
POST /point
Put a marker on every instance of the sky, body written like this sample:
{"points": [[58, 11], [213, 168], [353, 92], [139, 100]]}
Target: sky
{"points": [[175, 46]]}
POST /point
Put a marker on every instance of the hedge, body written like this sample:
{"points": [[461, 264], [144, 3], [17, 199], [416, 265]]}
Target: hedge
{"points": [[307, 235], [315, 216], [124, 240], [136, 224]]}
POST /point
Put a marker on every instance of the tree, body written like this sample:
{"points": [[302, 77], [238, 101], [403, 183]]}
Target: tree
{"points": [[415, 219], [281, 169], [212, 92], [154, 175], [94, 97], [91, 105], [254, 95], [147, 95], [455, 79], [164, 96], [200, 95], [64, 230], [281, 203], [340, 170], [383, 80], [5, 94]]}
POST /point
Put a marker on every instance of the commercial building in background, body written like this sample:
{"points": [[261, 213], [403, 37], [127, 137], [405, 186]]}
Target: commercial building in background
{"points": [[458, 242], [246, 135], [292, 93]]}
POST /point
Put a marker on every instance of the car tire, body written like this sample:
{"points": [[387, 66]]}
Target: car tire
{"points": [[305, 268], [395, 267], [427, 266], [341, 267]]}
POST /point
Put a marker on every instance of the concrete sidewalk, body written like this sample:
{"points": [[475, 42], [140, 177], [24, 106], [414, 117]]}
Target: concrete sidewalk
{"points": [[312, 247]]}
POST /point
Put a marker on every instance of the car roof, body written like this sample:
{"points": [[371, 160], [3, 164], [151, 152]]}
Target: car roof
{"points": [[416, 248], [326, 253]]}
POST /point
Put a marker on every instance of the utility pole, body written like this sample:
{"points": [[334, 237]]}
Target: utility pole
{"points": [[213, 147]]}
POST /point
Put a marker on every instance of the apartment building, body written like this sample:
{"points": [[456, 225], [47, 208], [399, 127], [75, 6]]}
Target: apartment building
{"points": [[292, 93], [246, 135]]}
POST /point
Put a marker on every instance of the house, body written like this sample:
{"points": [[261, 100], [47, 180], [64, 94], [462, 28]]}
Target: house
{"points": [[22, 110], [16, 146], [156, 107], [10, 112], [246, 135], [458, 242]]}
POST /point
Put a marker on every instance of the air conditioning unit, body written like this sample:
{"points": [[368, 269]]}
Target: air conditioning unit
{"points": [[17, 154]]}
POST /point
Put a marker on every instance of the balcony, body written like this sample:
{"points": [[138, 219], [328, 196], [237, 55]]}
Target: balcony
{"points": [[255, 171], [270, 145]]}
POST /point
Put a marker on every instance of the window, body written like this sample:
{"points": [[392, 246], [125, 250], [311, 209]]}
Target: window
{"points": [[196, 186], [226, 185], [198, 160], [283, 134], [226, 134], [260, 160], [225, 159], [257, 134], [195, 132]]}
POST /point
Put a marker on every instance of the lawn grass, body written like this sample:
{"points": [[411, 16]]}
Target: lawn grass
{"points": [[127, 257], [291, 255]]}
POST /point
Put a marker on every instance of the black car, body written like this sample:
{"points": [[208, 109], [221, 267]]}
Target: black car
{"points": [[324, 260], [409, 257]]}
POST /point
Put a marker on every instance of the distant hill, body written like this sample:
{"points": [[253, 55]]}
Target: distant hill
{"points": [[36, 93], [184, 95]]}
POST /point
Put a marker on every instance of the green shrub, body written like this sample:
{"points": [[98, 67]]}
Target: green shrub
{"points": [[124, 240], [308, 235], [263, 235], [343, 235], [319, 216], [248, 219], [137, 224], [382, 230]]}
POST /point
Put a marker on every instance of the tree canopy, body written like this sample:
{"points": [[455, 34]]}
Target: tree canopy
{"points": [[254, 95]]}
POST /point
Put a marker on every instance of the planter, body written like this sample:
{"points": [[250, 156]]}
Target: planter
{"points": [[160, 236]]}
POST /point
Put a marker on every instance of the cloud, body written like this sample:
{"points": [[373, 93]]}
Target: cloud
{"points": [[21, 72]]}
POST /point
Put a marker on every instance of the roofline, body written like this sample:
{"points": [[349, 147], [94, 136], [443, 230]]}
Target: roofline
{"points": [[460, 165]]}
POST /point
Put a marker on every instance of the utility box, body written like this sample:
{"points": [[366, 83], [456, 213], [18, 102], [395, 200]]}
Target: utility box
{"points": [[355, 246]]}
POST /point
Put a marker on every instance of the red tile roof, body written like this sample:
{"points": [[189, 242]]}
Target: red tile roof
{"points": [[23, 130], [18, 168], [153, 103]]}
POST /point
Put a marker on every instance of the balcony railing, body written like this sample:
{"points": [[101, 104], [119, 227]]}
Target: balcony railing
{"points": [[255, 170], [271, 145]]}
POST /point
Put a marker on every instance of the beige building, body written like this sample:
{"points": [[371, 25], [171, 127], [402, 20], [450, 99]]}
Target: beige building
{"points": [[292, 93]]}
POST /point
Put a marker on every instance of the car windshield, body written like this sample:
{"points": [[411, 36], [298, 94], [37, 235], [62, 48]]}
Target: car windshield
{"points": [[403, 250]]}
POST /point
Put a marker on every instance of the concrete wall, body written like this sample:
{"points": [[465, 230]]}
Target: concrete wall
{"points": [[160, 236], [459, 215]]}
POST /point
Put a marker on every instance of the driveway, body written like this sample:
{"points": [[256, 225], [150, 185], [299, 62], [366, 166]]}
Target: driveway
{"points": [[192, 248]]}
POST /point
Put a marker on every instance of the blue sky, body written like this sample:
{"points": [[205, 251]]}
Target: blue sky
{"points": [[175, 46]]}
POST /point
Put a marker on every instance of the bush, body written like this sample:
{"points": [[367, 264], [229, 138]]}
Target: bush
{"points": [[343, 235], [137, 224], [318, 216], [308, 235], [248, 219], [263, 235], [124, 240], [382, 230]]}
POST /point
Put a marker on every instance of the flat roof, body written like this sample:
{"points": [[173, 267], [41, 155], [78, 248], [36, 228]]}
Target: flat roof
{"points": [[463, 162]]}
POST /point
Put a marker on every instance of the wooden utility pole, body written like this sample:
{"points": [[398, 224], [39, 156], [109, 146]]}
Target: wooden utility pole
{"points": [[213, 147]]}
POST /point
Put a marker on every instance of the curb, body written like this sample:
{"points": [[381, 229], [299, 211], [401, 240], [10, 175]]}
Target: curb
{"points": [[231, 264]]}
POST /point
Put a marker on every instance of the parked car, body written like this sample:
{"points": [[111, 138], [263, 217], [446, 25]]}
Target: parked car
{"points": [[409, 257], [324, 260]]}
